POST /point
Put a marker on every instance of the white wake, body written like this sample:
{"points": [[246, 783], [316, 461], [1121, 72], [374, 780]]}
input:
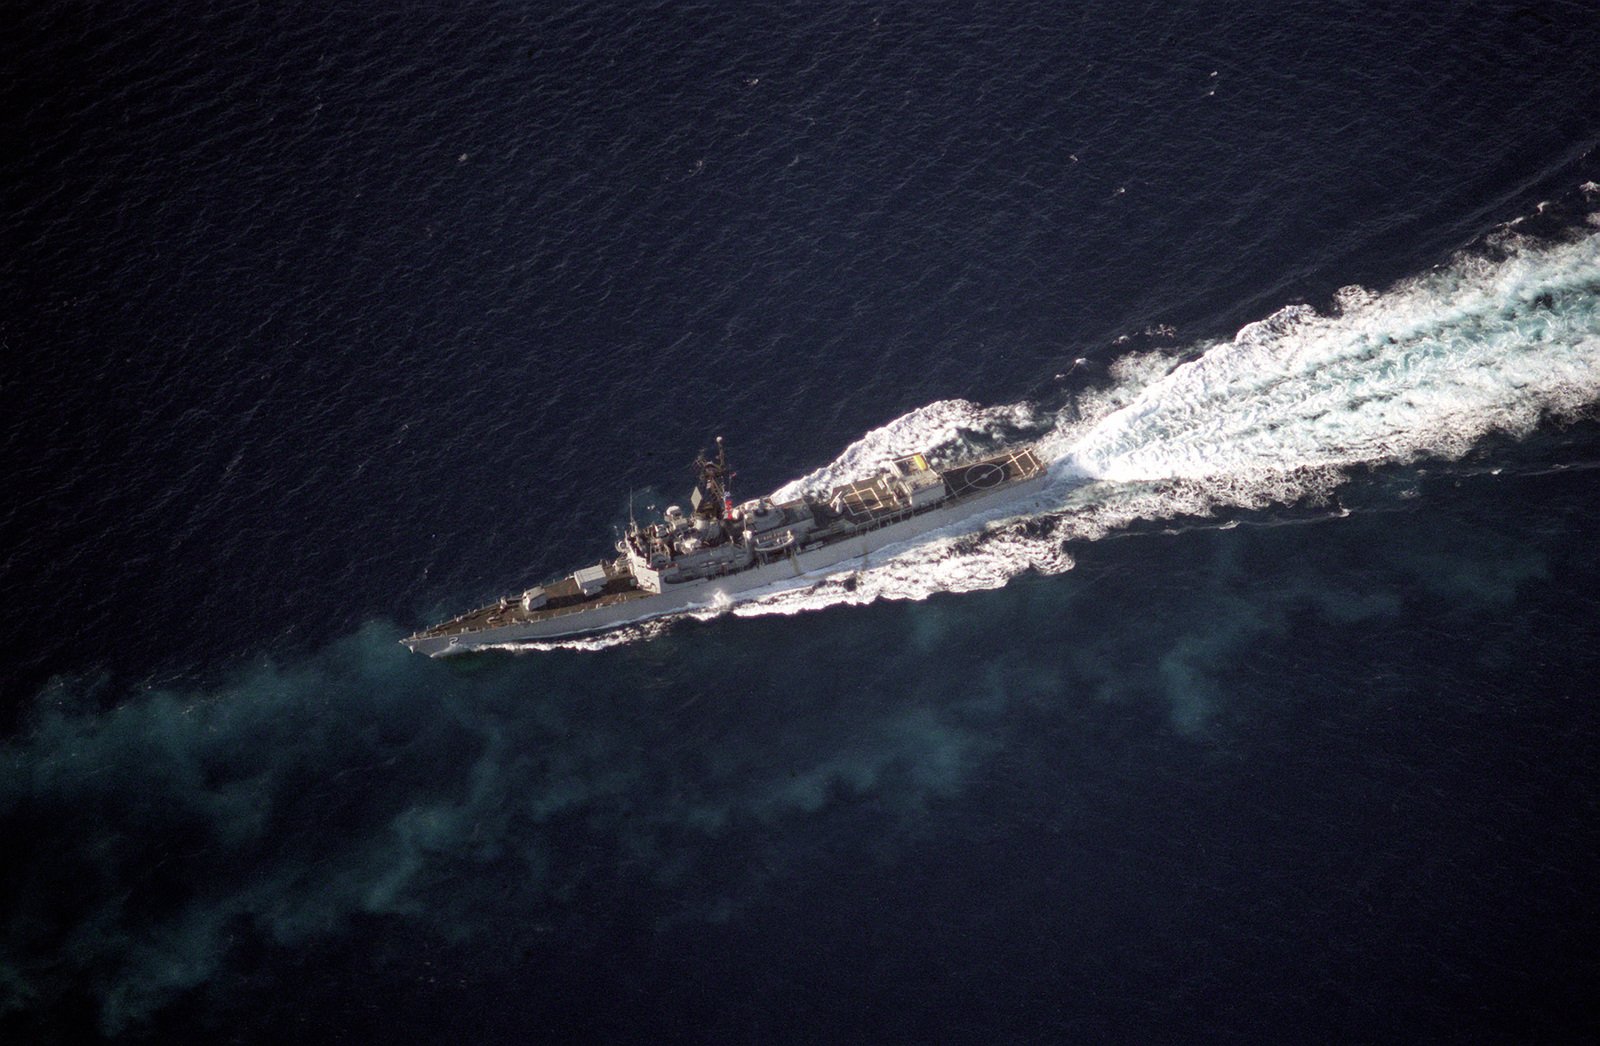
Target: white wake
{"points": [[1274, 416]]}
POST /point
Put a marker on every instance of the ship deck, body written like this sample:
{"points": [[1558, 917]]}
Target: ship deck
{"points": [[562, 597], [868, 501], [874, 502], [965, 480]]}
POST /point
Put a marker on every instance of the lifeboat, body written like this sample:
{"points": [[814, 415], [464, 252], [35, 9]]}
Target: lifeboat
{"points": [[775, 543]]}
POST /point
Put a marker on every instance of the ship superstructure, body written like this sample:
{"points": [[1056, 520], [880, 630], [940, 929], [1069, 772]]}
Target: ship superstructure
{"points": [[718, 550]]}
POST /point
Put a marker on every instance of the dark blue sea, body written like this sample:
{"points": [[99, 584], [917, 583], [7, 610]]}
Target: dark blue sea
{"points": [[1274, 718]]}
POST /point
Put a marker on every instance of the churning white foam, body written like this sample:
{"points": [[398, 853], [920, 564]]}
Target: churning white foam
{"points": [[1273, 416], [1426, 369]]}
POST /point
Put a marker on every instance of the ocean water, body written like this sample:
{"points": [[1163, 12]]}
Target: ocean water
{"points": [[1271, 719]]}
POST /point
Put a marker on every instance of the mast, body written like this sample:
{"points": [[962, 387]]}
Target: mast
{"points": [[713, 498], [726, 481]]}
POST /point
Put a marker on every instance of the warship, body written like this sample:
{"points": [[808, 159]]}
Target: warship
{"points": [[717, 550]]}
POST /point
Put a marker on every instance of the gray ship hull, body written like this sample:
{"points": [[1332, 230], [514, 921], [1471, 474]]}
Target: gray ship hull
{"points": [[835, 557]]}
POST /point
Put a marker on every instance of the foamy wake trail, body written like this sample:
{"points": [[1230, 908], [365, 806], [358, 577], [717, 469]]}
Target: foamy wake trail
{"points": [[1427, 369], [1274, 416]]}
